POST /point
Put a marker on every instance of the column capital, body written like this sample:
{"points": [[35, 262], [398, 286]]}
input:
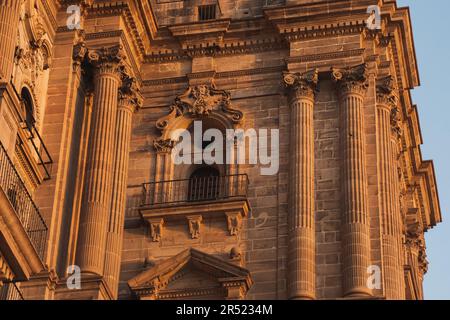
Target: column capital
{"points": [[107, 59], [386, 92], [351, 80], [78, 54], [302, 84], [163, 145], [130, 92], [396, 122]]}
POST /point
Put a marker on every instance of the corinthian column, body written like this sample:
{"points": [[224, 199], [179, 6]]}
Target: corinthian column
{"points": [[352, 85], [301, 246], [388, 195], [130, 100], [99, 172], [9, 23]]}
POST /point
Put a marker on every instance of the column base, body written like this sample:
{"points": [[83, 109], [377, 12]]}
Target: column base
{"points": [[361, 293], [303, 296]]}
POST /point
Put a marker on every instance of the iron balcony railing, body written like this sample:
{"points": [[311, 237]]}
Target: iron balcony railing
{"points": [[24, 206], [43, 156], [10, 291], [194, 190]]}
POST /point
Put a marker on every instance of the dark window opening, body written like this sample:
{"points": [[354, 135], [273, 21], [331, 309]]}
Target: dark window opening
{"points": [[207, 12], [204, 184], [29, 109]]}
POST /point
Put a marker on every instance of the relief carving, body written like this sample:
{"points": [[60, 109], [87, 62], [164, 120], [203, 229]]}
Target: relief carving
{"points": [[195, 223], [234, 222], [198, 101], [130, 91], [156, 229]]}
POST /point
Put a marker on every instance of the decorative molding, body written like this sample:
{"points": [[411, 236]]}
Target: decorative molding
{"points": [[164, 81], [232, 211], [231, 278], [234, 48], [326, 56], [218, 75], [325, 30]]}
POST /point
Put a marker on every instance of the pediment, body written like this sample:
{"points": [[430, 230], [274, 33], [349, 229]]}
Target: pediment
{"points": [[192, 274]]}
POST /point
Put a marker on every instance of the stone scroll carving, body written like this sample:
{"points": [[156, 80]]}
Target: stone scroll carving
{"points": [[197, 101]]}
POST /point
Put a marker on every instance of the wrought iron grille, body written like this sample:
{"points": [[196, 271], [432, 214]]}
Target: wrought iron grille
{"points": [[195, 189], [24, 206]]}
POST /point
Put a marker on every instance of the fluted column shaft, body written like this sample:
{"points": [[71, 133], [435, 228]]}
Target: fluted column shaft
{"points": [[389, 191], [129, 100], [9, 22], [301, 246], [352, 85], [99, 173]]}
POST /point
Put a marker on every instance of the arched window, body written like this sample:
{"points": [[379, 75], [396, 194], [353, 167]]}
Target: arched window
{"points": [[204, 184], [29, 108]]}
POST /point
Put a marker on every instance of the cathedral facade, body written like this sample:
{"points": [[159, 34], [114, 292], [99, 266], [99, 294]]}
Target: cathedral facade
{"points": [[97, 96]]}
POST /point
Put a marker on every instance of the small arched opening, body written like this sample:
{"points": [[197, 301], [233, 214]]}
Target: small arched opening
{"points": [[204, 184], [28, 106]]}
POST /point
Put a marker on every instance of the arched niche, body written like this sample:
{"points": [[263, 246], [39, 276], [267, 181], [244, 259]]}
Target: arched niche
{"points": [[199, 103], [28, 107]]}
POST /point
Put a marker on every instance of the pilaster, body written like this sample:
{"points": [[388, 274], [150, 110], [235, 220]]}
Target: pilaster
{"points": [[130, 100], [95, 210], [301, 246], [352, 86], [9, 23], [389, 190]]}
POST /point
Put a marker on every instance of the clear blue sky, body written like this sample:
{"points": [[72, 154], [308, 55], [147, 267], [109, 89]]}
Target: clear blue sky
{"points": [[432, 40]]}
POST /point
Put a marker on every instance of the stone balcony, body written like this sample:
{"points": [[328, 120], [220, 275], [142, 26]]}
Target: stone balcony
{"points": [[23, 232], [193, 200]]}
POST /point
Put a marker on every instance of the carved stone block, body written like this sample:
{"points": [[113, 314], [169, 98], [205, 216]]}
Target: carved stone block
{"points": [[195, 223]]}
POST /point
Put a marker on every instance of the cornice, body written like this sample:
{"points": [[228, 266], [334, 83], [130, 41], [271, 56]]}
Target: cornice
{"points": [[228, 48], [326, 56], [324, 30], [123, 9], [50, 14], [218, 75]]}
